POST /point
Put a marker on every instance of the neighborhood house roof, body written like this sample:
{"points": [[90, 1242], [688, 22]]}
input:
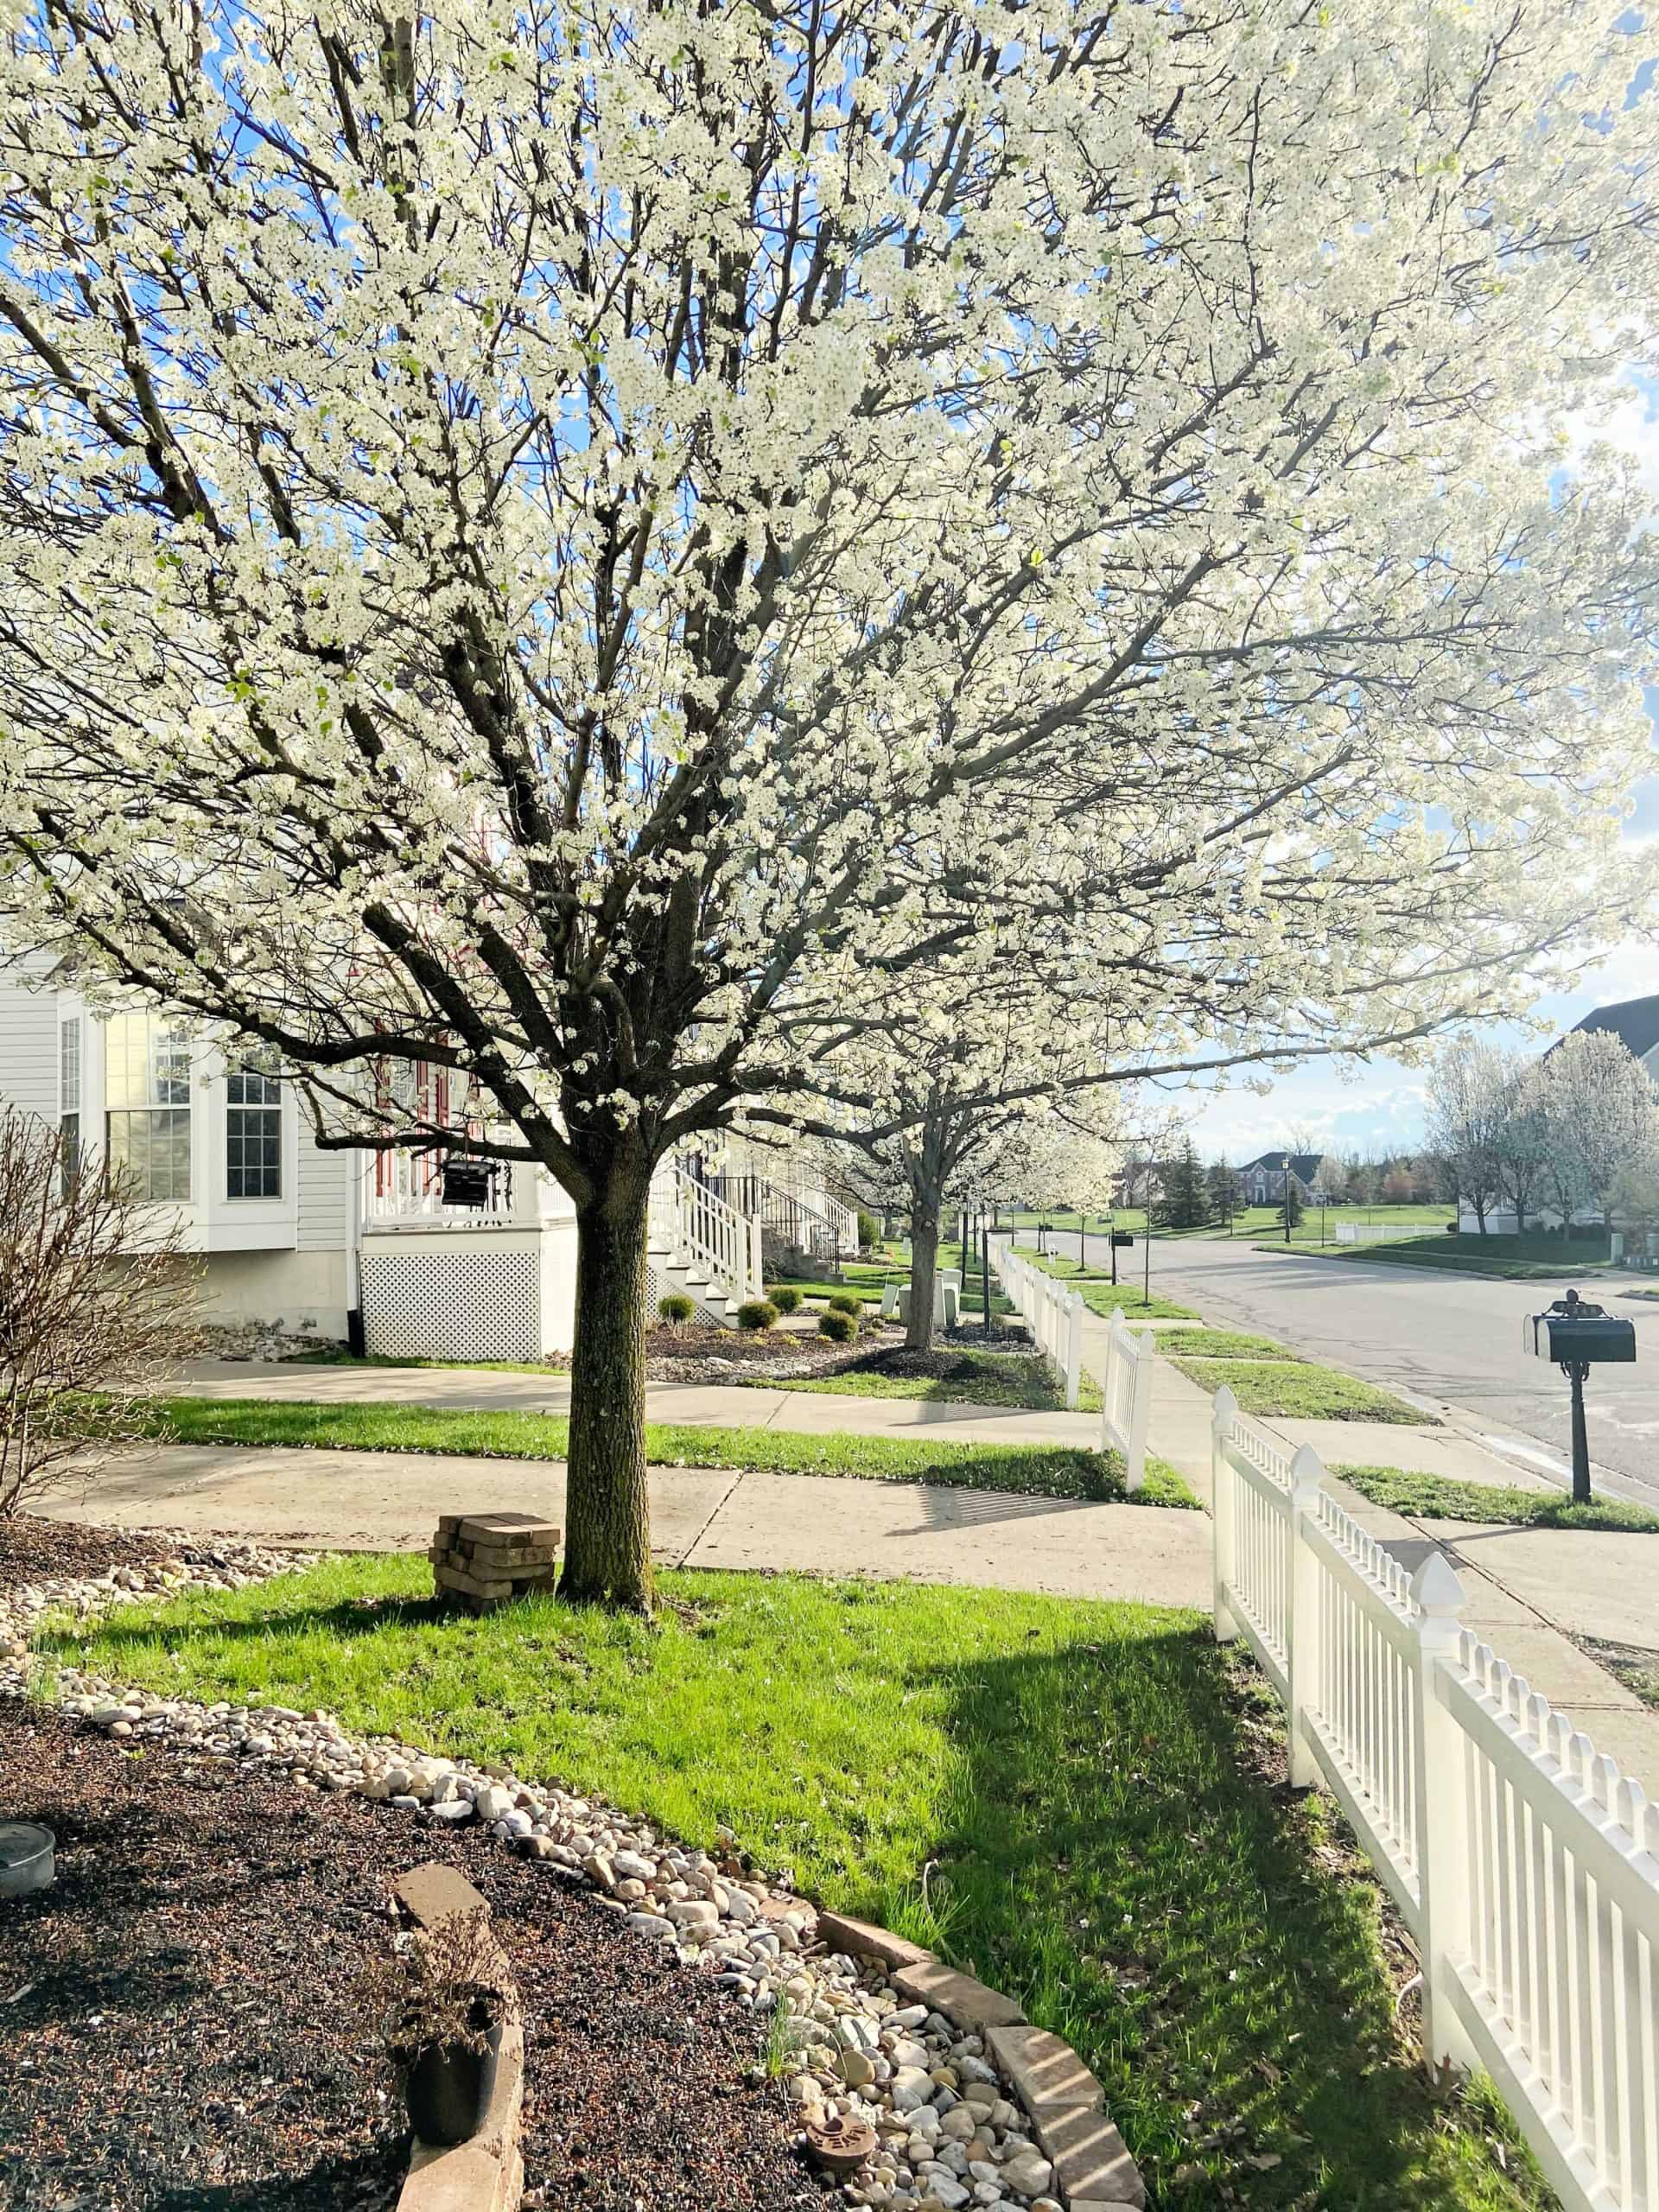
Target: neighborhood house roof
{"points": [[1635, 1021], [1304, 1165]]}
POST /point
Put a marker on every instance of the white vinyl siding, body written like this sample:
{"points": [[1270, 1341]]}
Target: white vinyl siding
{"points": [[28, 1045], [325, 1193]]}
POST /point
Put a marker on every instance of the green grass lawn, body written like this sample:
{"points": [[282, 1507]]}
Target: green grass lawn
{"points": [[1231, 1344], [1066, 1774], [1440, 1497], [1508, 1259], [1020, 1379], [1028, 1469], [1300, 1391]]}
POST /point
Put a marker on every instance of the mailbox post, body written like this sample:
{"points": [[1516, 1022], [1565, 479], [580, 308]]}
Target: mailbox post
{"points": [[1577, 1336]]}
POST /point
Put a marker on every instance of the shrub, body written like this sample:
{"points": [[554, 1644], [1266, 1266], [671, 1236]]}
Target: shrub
{"points": [[840, 1327], [676, 1308], [786, 1298], [756, 1314], [848, 1301], [868, 1231]]}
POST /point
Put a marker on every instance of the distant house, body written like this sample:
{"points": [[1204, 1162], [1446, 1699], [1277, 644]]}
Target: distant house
{"points": [[1636, 1021], [1261, 1182]]}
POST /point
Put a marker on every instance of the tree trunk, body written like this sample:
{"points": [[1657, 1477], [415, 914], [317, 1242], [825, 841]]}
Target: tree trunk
{"points": [[924, 1269], [607, 1523]]}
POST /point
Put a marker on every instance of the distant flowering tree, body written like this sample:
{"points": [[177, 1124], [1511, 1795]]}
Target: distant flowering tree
{"points": [[1601, 1113], [521, 527]]}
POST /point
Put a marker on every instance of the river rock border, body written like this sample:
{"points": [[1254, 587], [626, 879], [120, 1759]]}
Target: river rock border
{"points": [[975, 2110]]}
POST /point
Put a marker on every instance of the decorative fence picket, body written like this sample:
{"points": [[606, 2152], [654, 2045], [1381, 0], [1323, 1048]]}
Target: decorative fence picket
{"points": [[1524, 1865], [1052, 1313], [1126, 1396]]}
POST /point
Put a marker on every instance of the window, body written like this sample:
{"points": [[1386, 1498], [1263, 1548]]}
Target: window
{"points": [[147, 1096], [69, 1099], [253, 1135]]}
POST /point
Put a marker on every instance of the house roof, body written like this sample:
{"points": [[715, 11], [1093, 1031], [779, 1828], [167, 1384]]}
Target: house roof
{"points": [[1304, 1165], [1635, 1021]]}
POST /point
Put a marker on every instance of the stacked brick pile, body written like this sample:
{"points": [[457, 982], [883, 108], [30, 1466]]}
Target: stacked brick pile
{"points": [[482, 1560]]}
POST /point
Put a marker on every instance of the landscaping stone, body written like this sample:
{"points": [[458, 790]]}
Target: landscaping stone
{"points": [[1092, 2160], [1048, 2073], [865, 1940], [484, 1559], [958, 1996]]}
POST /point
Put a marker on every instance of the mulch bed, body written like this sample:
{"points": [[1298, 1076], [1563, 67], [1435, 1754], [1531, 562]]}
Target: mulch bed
{"points": [[184, 2024], [32, 1550]]}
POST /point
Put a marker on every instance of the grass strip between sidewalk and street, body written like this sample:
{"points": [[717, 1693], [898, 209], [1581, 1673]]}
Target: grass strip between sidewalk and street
{"points": [[1026, 1470], [1443, 1497], [1231, 1343], [1081, 1801], [1299, 1391]]}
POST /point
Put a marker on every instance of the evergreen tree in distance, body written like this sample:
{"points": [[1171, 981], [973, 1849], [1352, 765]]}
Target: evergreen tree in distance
{"points": [[1183, 1204], [1222, 1192]]}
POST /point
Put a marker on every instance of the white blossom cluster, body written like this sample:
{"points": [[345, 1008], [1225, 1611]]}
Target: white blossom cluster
{"points": [[626, 553]]}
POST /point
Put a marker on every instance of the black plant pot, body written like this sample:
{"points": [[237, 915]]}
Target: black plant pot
{"points": [[444, 2089]]}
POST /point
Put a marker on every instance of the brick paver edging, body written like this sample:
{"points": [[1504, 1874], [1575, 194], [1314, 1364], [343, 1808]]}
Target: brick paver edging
{"points": [[486, 2172], [1093, 2171]]}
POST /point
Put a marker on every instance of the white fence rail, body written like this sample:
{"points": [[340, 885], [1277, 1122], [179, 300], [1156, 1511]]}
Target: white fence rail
{"points": [[1525, 1865], [1126, 1396], [1380, 1232], [1052, 1313]]}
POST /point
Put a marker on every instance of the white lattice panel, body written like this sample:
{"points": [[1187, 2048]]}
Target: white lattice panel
{"points": [[426, 1305]]}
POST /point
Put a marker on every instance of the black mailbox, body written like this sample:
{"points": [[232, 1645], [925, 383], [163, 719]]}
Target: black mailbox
{"points": [[1121, 1239], [1573, 1330]]}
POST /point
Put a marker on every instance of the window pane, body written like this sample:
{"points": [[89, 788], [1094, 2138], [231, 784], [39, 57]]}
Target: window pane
{"points": [[253, 1150], [69, 1068]]}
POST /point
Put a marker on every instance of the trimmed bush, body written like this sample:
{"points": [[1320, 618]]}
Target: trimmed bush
{"points": [[841, 1326], [786, 1298], [756, 1314], [868, 1231], [676, 1308], [848, 1301]]}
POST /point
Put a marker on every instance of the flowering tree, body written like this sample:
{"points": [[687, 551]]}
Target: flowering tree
{"points": [[1600, 1112], [1469, 1098], [523, 525]]}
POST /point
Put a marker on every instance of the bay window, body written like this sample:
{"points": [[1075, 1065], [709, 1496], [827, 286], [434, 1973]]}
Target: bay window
{"points": [[147, 1098]]}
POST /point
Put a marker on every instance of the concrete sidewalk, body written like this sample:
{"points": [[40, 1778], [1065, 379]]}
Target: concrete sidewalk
{"points": [[831, 1525], [704, 1405], [1531, 1592]]}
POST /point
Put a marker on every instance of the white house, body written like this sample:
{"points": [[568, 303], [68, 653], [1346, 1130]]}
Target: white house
{"points": [[392, 1252]]}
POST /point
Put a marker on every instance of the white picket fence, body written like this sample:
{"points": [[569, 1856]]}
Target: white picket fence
{"points": [[1052, 1313], [1380, 1232], [1126, 1394], [1524, 1865]]}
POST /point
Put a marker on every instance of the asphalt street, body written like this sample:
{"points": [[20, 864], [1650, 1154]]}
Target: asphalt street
{"points": [[1453, 1341]]}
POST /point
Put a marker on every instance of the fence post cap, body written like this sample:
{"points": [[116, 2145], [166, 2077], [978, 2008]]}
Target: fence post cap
{"points": [[1117, 1317], [1306, 1470], [1436, 1589], [1225, 1407]]}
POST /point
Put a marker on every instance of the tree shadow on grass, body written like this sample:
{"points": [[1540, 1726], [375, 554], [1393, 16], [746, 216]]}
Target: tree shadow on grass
{"points": [[1192, 1928]]}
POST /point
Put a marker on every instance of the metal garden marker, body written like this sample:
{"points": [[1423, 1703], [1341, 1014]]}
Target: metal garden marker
{"points": [[1577, 1336]]}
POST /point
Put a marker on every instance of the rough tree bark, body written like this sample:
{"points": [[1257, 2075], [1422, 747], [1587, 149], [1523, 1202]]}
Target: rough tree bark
{"points": [[924, 1267], [607, 1553]]}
